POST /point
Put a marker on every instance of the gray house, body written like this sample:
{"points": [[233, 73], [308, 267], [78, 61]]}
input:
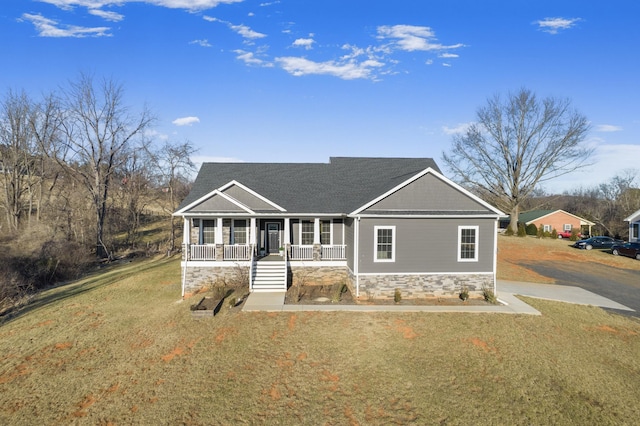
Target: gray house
{"points": [[376, 224], [634, 226]]}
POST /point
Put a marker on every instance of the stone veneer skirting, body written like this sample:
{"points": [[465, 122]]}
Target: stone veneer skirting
{"points": [[419, 286], [371, 286]]}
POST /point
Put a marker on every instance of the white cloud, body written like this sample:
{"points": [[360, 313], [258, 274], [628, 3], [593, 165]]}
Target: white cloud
{"points": [[107, 15], [554, 25], [246, 32], [192, 5], [249, 58], [185, 121], [448, 55], [460, 128], [411, 38], [608, 128], [345, 70], [201, 43], [50, 28], [306, 43]]}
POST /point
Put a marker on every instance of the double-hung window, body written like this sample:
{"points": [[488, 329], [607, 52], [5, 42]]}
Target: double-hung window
{"points": [[325, 232], [208, 231], [306, 232], [567, 227], [467, 244], [384, 243], [239, 231], [635, 231]]}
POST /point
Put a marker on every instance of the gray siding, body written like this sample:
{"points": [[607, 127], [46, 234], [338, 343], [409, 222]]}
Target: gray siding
{"points": [[337, 226], [249, 200], [216, 204], [426, 246], [349, 225], [428, 193]]}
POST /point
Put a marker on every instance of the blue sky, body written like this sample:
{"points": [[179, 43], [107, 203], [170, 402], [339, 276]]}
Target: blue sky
{"points": [[302, 80]]}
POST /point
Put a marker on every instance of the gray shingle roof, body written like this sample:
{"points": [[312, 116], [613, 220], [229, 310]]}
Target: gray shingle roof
{"points": [[340, 186]]}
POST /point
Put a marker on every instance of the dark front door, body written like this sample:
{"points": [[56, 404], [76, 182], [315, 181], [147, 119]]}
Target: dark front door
{"points": [[273, 237]]}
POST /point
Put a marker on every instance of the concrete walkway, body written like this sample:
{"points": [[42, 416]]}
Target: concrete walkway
{"points": [[274, 301]]}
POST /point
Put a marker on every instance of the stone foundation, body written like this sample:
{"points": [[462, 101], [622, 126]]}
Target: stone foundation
{"points": [[200, 278], [422, 286], [318, 275]]}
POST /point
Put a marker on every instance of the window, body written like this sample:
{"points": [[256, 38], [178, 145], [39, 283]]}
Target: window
{"points": [[635, 230], [239, 231], [567, 227], [208, 231], [385, 243], [546, 228], [325, 232], [306, 232], [467, 244]]}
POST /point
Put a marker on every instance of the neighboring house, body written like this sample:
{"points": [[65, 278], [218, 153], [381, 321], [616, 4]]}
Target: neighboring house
{"points": [[559, 220], [375, 224], [634, 226]]}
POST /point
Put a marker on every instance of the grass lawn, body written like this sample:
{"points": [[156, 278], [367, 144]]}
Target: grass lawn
{"points": [[119, 348]]}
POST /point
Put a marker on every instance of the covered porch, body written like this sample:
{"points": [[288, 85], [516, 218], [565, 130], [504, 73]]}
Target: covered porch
{"points": [[223, 239]]}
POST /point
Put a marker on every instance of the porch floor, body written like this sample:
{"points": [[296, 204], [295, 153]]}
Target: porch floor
{"points": [[271, 258]]}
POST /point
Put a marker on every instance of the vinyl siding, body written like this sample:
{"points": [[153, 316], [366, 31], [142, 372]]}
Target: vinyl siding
{"points": [[426, 246], [428, 193], [349, 225], [249, 200], [217, 204]]}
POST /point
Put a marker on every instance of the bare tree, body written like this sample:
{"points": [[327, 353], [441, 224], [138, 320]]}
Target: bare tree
{"points": [[21, 160], [173, 165], [98, 129], [516, 145]]}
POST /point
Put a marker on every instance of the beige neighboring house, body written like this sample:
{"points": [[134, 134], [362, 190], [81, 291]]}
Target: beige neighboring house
{"points": [[634, 226]]}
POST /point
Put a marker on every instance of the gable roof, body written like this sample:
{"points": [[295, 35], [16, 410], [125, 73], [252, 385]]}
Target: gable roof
{"points": [[633, 217], [340, 186], [533, 215]]}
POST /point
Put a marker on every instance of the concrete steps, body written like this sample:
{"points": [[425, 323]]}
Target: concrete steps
{"points": [[269, 276]]}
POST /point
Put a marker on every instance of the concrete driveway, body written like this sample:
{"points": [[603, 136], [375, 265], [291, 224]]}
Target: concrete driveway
{"points": [[617, 284]]}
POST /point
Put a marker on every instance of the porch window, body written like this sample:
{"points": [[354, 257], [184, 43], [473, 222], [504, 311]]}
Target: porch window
{"points": [[306, 232], [208, 231], [385, 243], [239, 231], [325, 232], [467, 243]]}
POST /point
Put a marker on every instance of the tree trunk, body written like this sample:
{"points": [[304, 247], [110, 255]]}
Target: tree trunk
{"points": [[513, 219]]}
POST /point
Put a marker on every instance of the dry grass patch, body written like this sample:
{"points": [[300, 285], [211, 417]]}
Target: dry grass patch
{"points": [[122, 349]]}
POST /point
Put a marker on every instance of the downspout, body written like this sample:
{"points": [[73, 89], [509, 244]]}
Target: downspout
{"points": [[356, 249], [495, 257]]}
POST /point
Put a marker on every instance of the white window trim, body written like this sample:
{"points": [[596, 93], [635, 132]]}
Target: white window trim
{"points": [[459, 243], [567, 227], [547, 228], [232, 232], [375, 243]]}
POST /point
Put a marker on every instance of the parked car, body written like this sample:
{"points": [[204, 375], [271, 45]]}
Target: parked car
{"points": [[597, 242], [567, 234], [628, 249]]}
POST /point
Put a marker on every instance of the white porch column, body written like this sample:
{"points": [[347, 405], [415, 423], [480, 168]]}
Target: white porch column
{"points": [[316, 230], [219, 231], [186, 231], [287, 232], [252, 231]]}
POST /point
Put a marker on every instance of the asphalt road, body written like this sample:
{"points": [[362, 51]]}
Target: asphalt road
{"points": [[617, 284]]}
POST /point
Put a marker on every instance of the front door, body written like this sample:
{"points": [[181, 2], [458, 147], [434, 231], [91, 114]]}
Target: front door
{"points": [[273, 237]]}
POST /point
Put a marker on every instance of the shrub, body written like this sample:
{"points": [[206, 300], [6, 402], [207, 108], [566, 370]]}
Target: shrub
{"points": [[489, 295], [464, 293], [397, 296], [522, 232], [575, 234], [554, 233], [531, 229]]}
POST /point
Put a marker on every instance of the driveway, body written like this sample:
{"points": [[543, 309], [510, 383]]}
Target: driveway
{"points": [[619, 285]]}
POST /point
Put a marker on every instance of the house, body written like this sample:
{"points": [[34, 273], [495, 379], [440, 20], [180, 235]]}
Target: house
{"points": [[634, 226], [375, 224], [559, 220]]}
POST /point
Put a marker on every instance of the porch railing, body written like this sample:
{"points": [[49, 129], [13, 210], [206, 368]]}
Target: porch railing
{"points": [[202, 252], [336, 252], [328, 252], [237, 252], [301, 252]]}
